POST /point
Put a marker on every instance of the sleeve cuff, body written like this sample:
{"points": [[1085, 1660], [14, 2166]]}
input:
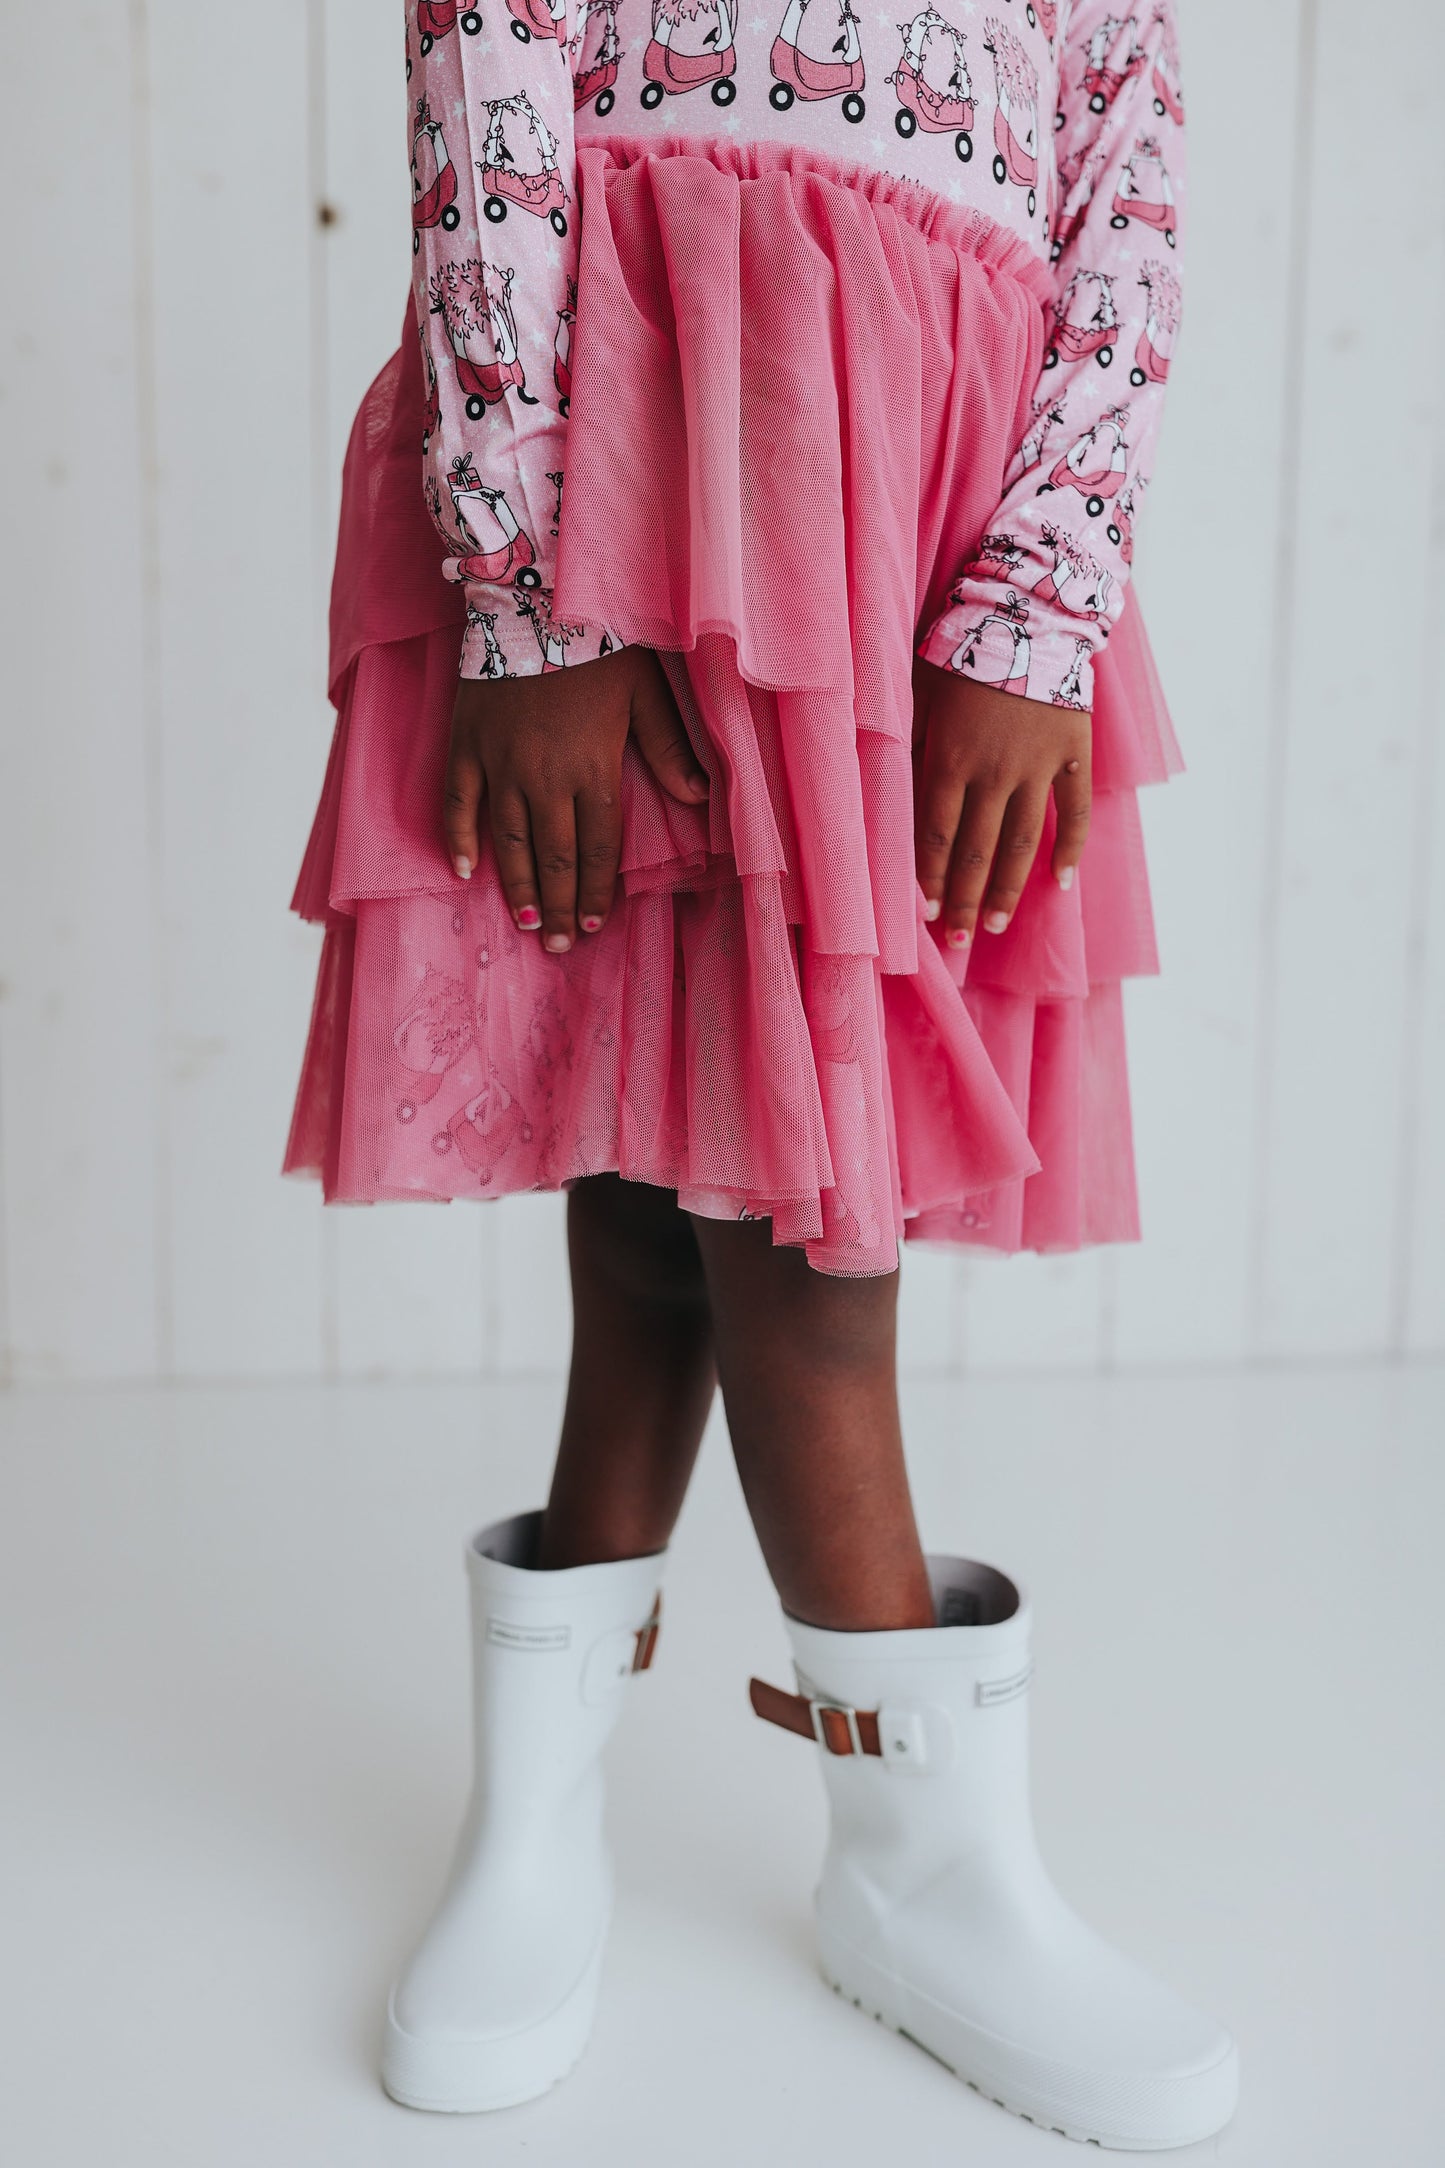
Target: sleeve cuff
{"points": [[995, 644], [511, 632]]}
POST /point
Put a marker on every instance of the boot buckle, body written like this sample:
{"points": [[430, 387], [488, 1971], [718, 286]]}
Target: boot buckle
{"points": [[647, 1632], [835, 1726]]}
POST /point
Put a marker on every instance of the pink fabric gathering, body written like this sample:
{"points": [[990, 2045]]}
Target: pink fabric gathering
{"points": [[765, 1023]]}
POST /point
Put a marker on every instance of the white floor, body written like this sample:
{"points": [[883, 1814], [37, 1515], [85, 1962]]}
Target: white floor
{"points": [[233, 1751]]}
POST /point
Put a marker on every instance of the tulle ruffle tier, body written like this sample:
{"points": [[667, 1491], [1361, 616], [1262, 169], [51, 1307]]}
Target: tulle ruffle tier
{"points": [[796, 389]]}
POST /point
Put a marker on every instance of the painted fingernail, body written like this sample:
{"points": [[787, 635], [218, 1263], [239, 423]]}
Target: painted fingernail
{"points": [[529, 918], [931, 907], [994, 921], [556, 943], [464, 868], [1065, 876], [590, 922], [959, 937]]}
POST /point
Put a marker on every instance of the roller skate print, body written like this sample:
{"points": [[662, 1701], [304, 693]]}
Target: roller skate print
{"points": [[819, 58], [536, 188], [691, 45], [932, 82]]}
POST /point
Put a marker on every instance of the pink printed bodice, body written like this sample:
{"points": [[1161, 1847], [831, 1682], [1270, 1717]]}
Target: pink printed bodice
{"points": [[1059, 120], [963, 102]]}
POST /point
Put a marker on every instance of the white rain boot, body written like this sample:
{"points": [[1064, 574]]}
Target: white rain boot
{"points": [[935, 1911], [497, 2002]]}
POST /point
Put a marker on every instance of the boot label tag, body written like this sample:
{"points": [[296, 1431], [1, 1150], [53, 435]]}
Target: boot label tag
{"points": [[989, 1691], [508, 1634]]}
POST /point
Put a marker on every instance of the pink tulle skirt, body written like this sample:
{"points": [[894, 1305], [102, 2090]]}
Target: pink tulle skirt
{"points": [[796, 391]]}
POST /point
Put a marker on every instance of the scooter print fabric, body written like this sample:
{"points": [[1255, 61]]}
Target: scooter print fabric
{"points": [[1072, 494], [691, 47], [932, 82], [1059, 120]]}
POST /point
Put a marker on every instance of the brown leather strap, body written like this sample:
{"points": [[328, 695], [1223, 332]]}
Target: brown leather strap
{"points": [[647, 1634], [795, 1712]]}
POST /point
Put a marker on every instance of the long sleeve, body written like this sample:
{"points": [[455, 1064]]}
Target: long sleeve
{"points": [[494, 282], [1033, 609]]}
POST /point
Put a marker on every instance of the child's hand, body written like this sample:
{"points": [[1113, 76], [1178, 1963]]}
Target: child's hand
{"points": [[984, 764], [547, 752]]}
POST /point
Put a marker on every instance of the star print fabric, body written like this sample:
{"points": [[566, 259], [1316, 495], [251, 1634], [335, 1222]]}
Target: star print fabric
{"points": [[1055, 120]]}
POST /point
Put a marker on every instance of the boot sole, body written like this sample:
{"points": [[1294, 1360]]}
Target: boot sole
{"points": [[474, 2077], [998, 2072]]}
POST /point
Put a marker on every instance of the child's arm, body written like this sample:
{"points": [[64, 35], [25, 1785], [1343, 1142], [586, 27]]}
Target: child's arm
{"points": [[1004, 677], [1076, 483], [493, 277]]}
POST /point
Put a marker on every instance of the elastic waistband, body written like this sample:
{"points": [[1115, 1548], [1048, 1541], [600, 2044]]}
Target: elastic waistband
{"points": [[966, 229]]}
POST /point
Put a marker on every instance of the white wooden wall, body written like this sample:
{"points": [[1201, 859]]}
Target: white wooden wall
{"points": [[187, 334]]}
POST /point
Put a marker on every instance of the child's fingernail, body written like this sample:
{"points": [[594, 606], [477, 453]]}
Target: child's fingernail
{"points": [[590, 922], [994, 921], [529, 918], [959, 937], [464, 868], [931, 907], [556, 943], [1065, 876]]}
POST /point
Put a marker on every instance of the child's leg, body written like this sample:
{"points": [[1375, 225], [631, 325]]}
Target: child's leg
{"points": [[806, 1361], [642, 1375]]}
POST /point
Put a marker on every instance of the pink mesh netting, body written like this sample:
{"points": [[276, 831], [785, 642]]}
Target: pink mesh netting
{"points": [[786, 438]]}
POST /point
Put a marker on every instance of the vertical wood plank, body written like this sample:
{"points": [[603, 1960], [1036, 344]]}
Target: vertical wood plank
{"points": [[409, 1290], [1368, 403], [239, 698], [411, 1280], [1034, 1313], [530, 1305], [930, 1312], [78, 992], [1212, 528], [1419, 1304]]}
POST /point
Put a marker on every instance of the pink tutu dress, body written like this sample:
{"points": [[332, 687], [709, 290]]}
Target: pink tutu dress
{"points": [[820, 414]]}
